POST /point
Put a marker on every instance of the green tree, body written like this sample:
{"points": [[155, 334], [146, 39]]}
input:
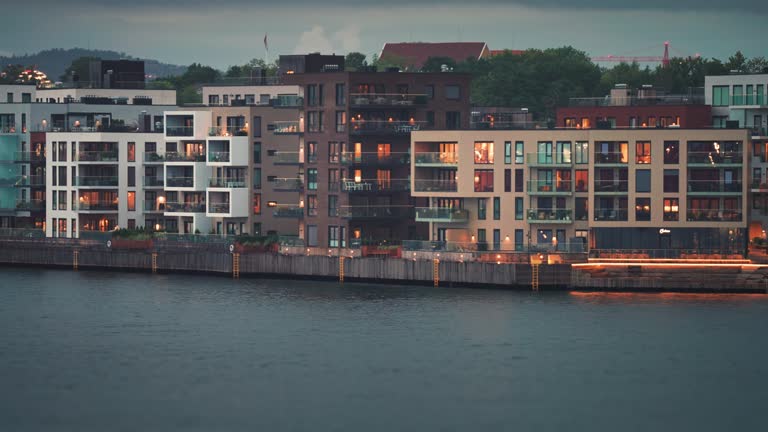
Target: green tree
{"points": [[625, 73], [80, 67], [355, 61], [736, 62], [435, 64], [388, 61], [756, 65]]}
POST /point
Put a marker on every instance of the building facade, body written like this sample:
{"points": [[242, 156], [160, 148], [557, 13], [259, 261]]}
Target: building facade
{"points": [[565, 189]]}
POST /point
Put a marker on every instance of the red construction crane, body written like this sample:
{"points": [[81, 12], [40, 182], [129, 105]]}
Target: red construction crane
{"points": [[664, 60]]}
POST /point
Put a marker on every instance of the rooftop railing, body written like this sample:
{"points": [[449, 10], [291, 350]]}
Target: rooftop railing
{"points": [[695, 99], [387, 99]]}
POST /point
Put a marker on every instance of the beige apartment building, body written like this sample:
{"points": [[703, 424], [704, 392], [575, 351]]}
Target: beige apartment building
{"points": [[571, 189]]}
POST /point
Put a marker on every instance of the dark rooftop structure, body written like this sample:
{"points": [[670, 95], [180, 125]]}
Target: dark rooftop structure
{"points": [[416, 54]]}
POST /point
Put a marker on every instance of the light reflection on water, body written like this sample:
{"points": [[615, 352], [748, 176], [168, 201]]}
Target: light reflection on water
{"points": [[99, 351]]}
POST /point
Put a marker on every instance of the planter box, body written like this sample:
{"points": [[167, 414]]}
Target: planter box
{"points": [[131, 244]]}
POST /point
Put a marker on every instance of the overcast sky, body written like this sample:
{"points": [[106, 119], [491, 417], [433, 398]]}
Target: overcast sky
{"points": [[226, 32]]}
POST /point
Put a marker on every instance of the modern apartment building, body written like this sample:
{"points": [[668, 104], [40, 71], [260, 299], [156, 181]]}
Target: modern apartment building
{"points": [[27, 114], [357, 147], [741, 100], [566, 189], [642, 108]]}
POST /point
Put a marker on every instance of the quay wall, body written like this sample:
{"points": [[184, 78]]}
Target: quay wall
{"points": [[216, 259]]}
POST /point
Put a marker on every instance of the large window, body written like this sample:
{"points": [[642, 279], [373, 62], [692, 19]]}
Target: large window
{"points": [[642, 209], [671, 209], [563, 152], [507, 180], [312, 178], [452, 92], [671, 152], [582, 152], [452, 120], [341, 121], [131, 152], [483, 152], [312, 98], [257, 178], [340, 97], [257, 152], [256, 126], [582, 180], [643, 152], [738, 95], [483, 180], [496, 208], [519, 180], [131, 201], [643, 180], [482, 206], [582, 209], [311, 205], [720, 96], [519, 152], [671, 180], [507, 152], [519, 208], [333, 236]]}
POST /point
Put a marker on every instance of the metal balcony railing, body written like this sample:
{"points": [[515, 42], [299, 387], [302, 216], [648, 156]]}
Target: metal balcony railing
{"points": [[427, 185], [227, 131], [387, 99], [384, 127], [549, 186], [287, 184], [96, 181], [714, 158], [550, 215], [226, 182], [220, 156], [375, 158], [84, 205], [184, 157], [180, 131], [218, 208], [714, 186], [184, 207], [97, 156], [441, 214], [436, 158], [180, 182], [611, 186], [611, 214]]}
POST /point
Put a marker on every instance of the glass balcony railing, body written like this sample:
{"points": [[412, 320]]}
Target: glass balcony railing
{"points": [[714, 215], [30, 205], [387, 99], [184, 207], [287, 184], [714, 186], [184, 157], [218, 156], [29, 181], [153, 182], [436, 158], [535, 159], [224, 182], [287, 158], [227, 131], [611, 214], [611, 186], [611, 158], [84, 205], [714, 158], [150, 157], [90, 181], [375, 212], [376, 185], [425, 185], [548, 186], [179, 131], [97, 156], [384, 127], [294, 212], [27, 157], [550, 215], [375, 158], [187, 182], [287, 101], [218, 208], [441, 214], [152, 206], [287, 127]]}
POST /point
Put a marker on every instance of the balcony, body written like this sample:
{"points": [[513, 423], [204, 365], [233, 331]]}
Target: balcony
{"points": [[611, 158], [714, 215], [84, 205], [550, 216], [759, 131], [375, 100], [29, 181], [227, 131], [218, 208], [225, 182], [709, 187], [153, 182], [375, 158], [151, 206], [292, 212], [287, 128], [184, 157], [287, 101], [609, 187], [219, 157], [180, 182], [30, 205], [153, 157], [96, 181], [549, 187], [548, 160], [376, 212], [425, 185], [287, 184], [713, 158], [179, 131], [287, 158], [441, 214], [97, 156], [375, 185], [384, 127], [611, 214], [436, 159], [754, 100], [185, 207], [29, 157]]}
